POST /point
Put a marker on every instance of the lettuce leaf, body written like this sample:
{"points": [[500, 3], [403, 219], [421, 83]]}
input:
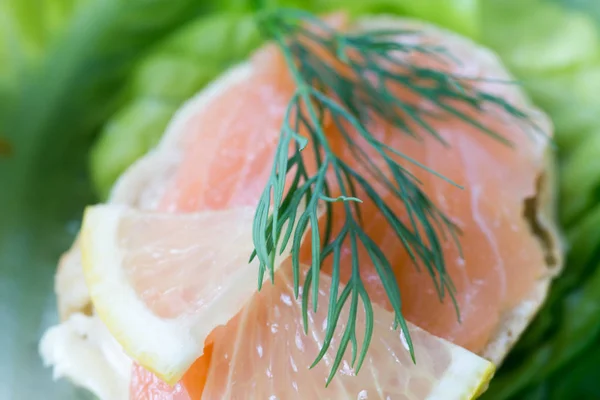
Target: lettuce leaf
{"points": [[554, 49], [535, 36], [63, 87]]}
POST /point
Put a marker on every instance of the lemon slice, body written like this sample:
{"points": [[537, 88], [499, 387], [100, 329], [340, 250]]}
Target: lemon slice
{"points": [[264, 351], [162, 282]]}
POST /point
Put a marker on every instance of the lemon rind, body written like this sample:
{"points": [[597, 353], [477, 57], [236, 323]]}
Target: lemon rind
{"points": [[466, 377]]}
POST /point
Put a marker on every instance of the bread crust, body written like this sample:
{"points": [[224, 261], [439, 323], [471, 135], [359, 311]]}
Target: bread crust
{"points": [[144, 182]]}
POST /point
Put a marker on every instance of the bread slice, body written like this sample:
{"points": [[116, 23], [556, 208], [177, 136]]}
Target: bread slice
{"points": [[144, 183]]}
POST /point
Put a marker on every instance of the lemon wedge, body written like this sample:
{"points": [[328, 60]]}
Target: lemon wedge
{"points": [[162, 282]]}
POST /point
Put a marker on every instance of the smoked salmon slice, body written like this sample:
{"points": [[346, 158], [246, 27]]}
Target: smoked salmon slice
{"points": [[224, 140]]}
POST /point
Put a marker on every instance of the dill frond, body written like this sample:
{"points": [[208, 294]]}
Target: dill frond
{"points": [[350, 100]]}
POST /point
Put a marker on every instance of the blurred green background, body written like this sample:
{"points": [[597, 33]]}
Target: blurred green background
{"points": [[87, 86]]}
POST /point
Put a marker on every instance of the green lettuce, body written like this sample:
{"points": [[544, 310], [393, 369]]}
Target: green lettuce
{"points": [[555, 52], [59, 87]]}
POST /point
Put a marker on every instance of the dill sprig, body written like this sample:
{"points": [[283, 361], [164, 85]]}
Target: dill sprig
{"points": [[351, 100]]}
